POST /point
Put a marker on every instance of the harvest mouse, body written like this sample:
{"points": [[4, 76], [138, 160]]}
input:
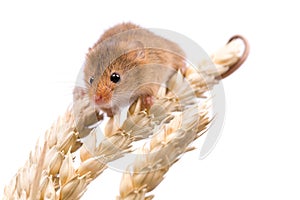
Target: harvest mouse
{"points": [[128, 62]]}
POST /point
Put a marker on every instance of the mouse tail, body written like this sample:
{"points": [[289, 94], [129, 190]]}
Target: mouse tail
{"points": [[242, 58]]}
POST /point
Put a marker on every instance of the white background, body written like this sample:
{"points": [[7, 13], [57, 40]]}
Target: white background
{"points": [[42, 47]]}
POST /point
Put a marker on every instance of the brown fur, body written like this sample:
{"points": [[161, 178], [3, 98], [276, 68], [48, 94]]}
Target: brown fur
{"points": [[115, 30], [143, 60]]}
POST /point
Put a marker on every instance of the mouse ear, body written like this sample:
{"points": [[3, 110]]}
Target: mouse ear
{"points": [[138, 48]]}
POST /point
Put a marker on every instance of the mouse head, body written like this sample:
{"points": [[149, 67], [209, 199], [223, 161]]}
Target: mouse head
{"points": [[107, 71]]}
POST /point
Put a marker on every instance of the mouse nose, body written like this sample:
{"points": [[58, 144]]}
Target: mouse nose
{"points": [[98, 99]]}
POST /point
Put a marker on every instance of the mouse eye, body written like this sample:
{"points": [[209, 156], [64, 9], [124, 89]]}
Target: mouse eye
{"points": [[91, 79], [115, 77]]}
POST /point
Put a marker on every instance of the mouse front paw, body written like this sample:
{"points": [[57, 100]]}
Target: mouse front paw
{"points": [[147, 101]]}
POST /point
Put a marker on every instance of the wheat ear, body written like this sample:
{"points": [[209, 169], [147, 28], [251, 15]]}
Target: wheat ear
{"points": [[51, 171], [174, 138]]}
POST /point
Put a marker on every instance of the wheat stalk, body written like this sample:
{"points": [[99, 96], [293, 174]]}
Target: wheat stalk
{"points": [[175, 120]]}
